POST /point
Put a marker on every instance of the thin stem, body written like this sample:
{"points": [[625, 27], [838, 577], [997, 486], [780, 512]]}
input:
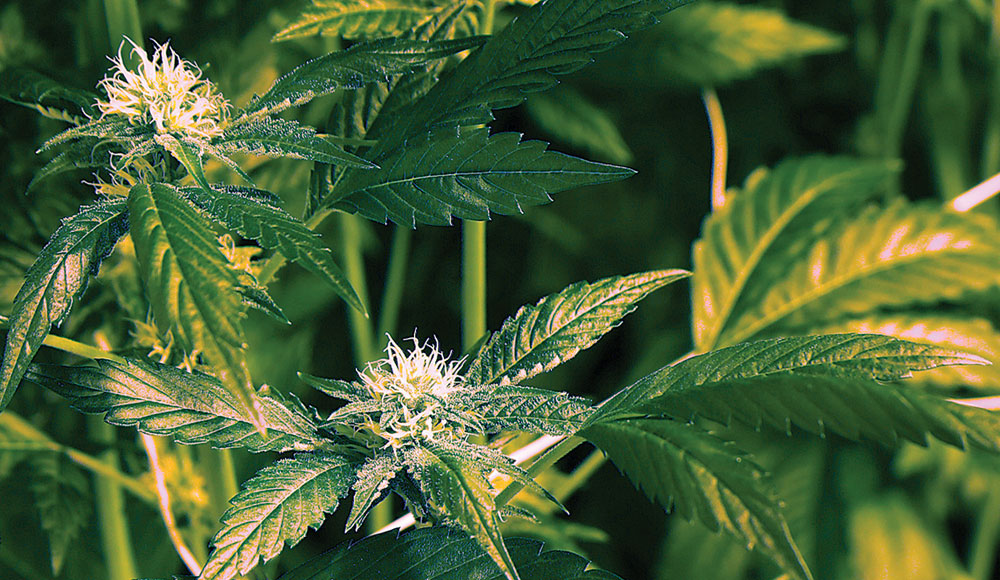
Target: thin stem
{"points": [[354, 268], [163, 495], [473, 282], [990, 162], [984, 541], [71, 346], [581, 474], [111, 517], [541, 464], [909, 71], [392, 296], [720, 146]]}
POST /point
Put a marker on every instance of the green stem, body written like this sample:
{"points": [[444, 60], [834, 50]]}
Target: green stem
{"points": [[990, 163], [947, 112], [473, 282], [71, 346], [984, 541], [902, 99], [354, 268], [111, 517], [720, 146], [392, 296], [36, 440], [547, 460], [123, 21]]}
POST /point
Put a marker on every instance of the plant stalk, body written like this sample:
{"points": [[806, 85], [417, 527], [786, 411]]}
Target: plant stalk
{"points": [[395, 283], [116, 539], [984, 541], [473, 282], [720, 146]]}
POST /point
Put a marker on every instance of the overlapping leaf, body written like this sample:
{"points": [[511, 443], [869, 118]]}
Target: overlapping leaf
{"points": [[517, 408], [189, 407], [714, 43], [539, 337], [284, 138], [190, 283], [275, 228], [685, 468], [549, 39], [58, 276], [278, 505], [951, 331], [356, 19], [818, 383], [371, 486], [63, 500], [350, 69], [52, 99], [746, 244], [463, 494], [571, 118], [467, 175], [900, 255], [439, 553]]}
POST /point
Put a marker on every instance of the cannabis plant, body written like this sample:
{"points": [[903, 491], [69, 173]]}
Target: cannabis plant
{"points": [[823, 302]]}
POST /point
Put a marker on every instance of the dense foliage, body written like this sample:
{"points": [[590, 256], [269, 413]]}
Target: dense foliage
{"points": [[807, 389]]}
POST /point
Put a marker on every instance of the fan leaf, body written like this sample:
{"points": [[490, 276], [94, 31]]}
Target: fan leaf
{"points": [[518, 408], [684, 468], [350, 69], [50, 98], [189, 407], [818, 383], [275, 228], [284, 138], [278, 505], [63, 499], [466, 175], [901, 255], [540, 337], [439, 553], [60, 273], [356, 19], [190, 283], [744, 243]]}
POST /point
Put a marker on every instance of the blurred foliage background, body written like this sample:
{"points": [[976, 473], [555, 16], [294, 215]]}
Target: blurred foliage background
{"points": [[914, 79]]}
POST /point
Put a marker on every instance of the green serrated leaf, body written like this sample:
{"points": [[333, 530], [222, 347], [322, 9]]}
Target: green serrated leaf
{"points": [[371, 486], [275, 228], [687, 469], [190, 283], [461, 493], [818, 383], [714, 43], [967, 334], [277, 505], [548, 39], [188, 151], [113, 127], [439, 553], [745, 245], [569, 117], [554, 330], [466, 175], [350, 69], [60, 273], [499, 408], [63, 500], [901, 255], [256, 297], [86, 153], [356, 19], [335, 388], [189, 407], [34, 90], [284, 138]]}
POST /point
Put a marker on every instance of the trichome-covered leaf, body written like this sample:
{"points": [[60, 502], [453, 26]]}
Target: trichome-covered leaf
{"points": [[50, 98], [60, 273], [818, 383], [517, 408], [277, 137], [190, 283], [277, 505], [189, 407], [275, 228], [745, 245], [682, 467], [440, 553], [544, 335], [468, 175]]}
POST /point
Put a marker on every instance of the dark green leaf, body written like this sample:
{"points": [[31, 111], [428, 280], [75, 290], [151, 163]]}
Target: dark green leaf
{"points": [[58, 276], [189, 407], [279, 504], [682, 467], [31, 89], [466, 175], [190, 283], [818, 383], [745, 245], [371, 486], [283, 138], [275, 228], [349, 69], [113, 127], [63, 500], [569, 117], [439, 553], [554, 330], [516, 408], [188, 151]]}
